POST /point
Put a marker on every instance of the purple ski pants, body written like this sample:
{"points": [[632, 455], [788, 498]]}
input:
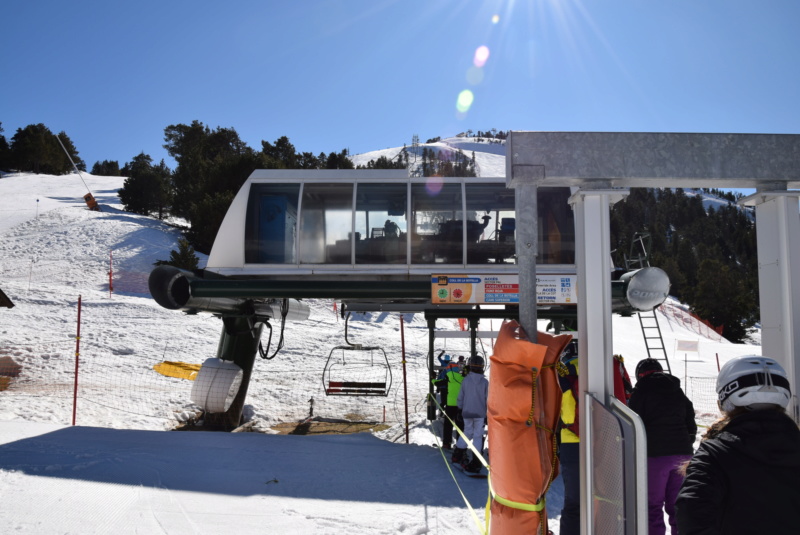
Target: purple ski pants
{"points": [[663, 483]]}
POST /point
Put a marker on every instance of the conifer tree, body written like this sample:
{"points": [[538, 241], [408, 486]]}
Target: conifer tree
{"points": [[5, 151], [148, 188], [106, 168], [35, 149], [184, 258], [72, 151]]}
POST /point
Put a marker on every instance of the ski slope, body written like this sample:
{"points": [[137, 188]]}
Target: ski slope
{"points": [[125, 472]]}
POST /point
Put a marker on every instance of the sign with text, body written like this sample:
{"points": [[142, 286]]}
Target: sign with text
{"points": [[501, 289]]}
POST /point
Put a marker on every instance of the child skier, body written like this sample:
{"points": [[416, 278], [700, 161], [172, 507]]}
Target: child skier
{"points": [[472, 402], [449, 383]]}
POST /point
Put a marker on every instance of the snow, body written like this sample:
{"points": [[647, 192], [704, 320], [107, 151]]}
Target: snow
{"points": [[121, 469], [490, 158]]}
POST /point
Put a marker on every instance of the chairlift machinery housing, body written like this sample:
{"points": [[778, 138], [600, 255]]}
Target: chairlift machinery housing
{"points": [[379, 240]]}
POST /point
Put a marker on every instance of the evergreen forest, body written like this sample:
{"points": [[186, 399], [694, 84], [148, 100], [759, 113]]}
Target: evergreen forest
{"points": [[709, 254]]}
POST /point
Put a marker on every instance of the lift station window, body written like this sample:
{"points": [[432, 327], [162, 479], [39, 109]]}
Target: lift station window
{"points": [[461, 221], [326, 222], [271, 224], [381, 226], [556, 233], [491, 224], [437, 219]]}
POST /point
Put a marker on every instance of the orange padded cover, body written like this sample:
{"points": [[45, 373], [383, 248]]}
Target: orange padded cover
{"points": [[522, 456]]}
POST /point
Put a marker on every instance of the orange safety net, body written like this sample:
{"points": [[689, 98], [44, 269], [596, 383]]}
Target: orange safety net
{"points": [[523, 411]]}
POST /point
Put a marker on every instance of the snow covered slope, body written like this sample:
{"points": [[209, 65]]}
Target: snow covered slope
{"points": [[490, 158], [119, 471]]}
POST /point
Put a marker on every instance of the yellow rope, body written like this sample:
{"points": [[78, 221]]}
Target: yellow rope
{"points": [[533, 396], [485, 529], [537, 507]]}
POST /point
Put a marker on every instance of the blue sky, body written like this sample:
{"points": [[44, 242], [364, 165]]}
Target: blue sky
{"points": [[367, 75]]}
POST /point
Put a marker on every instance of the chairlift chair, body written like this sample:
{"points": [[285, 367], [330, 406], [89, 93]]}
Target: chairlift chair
{"points": [[356, 370]]}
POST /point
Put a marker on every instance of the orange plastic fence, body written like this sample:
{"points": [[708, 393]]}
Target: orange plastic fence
{"points": [[523, 411]]}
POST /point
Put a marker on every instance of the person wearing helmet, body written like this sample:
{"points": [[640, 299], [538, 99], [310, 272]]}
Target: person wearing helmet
{"points": [[472, 402], [449, 384], [440, 382], [569, 431], [668, 417], [744, 476]]}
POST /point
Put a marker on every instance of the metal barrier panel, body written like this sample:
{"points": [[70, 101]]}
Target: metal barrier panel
{"points": [[618, 451]]}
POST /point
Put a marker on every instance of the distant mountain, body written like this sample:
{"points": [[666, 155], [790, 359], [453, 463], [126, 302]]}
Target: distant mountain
{"points": [[490, 154]]}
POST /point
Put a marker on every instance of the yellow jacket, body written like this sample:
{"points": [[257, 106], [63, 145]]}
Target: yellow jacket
{"points": [[568, 407]]}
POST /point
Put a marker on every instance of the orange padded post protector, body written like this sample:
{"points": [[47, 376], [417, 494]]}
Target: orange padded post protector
{"points": [[523, 412]]}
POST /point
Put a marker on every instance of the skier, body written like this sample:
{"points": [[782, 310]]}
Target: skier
{"points": [[569, 437], [668, 417], [472, 403], [440, 382], [744, 476], [450, 383]]}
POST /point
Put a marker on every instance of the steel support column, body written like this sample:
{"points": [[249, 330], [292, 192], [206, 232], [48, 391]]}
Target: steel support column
{"points": [[593, 258], [778, 234]]}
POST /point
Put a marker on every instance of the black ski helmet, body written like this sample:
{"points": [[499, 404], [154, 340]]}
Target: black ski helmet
{"points": [[570, 352], [476, 363], [646, 367]]}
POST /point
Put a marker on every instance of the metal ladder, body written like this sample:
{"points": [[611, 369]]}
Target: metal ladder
{"points": [[648, 321], [651, 331]]}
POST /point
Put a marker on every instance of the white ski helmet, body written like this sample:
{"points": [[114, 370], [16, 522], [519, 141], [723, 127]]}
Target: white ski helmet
{"points": [[752, 381]]}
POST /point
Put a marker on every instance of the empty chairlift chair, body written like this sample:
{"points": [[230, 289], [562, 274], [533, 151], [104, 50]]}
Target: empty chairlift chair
{"points": [[355, 370]]}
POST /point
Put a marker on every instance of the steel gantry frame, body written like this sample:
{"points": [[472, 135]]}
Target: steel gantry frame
{"points": [[603, 166]]}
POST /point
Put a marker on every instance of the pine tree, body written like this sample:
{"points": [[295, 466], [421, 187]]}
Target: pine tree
{"points": [[5, 151], [184, 258], [72, 151], [339, 161], [35, 149], [106, 168], [385, 163], [148, 188]]}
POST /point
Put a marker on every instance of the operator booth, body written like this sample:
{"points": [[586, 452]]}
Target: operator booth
{"points": [[382, 223]]}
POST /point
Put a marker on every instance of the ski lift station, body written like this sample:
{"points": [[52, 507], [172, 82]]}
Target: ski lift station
{"points": [[533, 244]]}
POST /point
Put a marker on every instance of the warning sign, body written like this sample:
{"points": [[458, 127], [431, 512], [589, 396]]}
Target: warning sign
{"points": [[500, 289]]}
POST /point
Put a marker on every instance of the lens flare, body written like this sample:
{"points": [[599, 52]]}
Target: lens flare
{"points": [[495, 19], [434, 185], [464, 102], [481, 56], [474, 75]]}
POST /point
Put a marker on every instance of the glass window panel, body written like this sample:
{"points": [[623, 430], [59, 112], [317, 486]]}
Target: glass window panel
{"points": [[556, 233], [327, 224], [271, 224], [381, 225], [436, 223], [491, 224]]}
